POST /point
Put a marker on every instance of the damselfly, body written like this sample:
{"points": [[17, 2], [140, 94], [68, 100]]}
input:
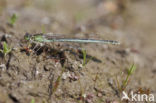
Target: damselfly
{"points": [[42, 38]]}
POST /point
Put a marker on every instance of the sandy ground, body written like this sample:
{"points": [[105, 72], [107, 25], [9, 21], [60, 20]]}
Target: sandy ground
{"points": [[55, 73]]}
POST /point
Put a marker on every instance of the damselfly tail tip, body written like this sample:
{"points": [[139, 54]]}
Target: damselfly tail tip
{"points": [[116, 43]]}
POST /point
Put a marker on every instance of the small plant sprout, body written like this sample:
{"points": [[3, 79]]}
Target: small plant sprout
{"points": [[57, 82], [84, 57], [130, 71], [85, 60], [43, 29], [13, 19], [6, 50], [32, 101]]}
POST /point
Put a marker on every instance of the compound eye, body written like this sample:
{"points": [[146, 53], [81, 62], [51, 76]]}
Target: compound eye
{"points": [[27, 36]]}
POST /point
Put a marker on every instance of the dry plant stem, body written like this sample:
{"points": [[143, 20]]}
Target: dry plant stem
{"points": [[57, 82]]}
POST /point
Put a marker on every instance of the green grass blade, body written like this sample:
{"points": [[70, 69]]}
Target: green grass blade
{"points": [[130, 71], [13, 19], [84, 57]]}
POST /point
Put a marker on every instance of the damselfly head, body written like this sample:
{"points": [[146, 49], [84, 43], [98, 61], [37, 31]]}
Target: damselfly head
{"points": [[27, 36]]}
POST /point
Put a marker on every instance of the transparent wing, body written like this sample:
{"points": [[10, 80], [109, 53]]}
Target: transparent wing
{"points": [[51, 36], [86, 41]]}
